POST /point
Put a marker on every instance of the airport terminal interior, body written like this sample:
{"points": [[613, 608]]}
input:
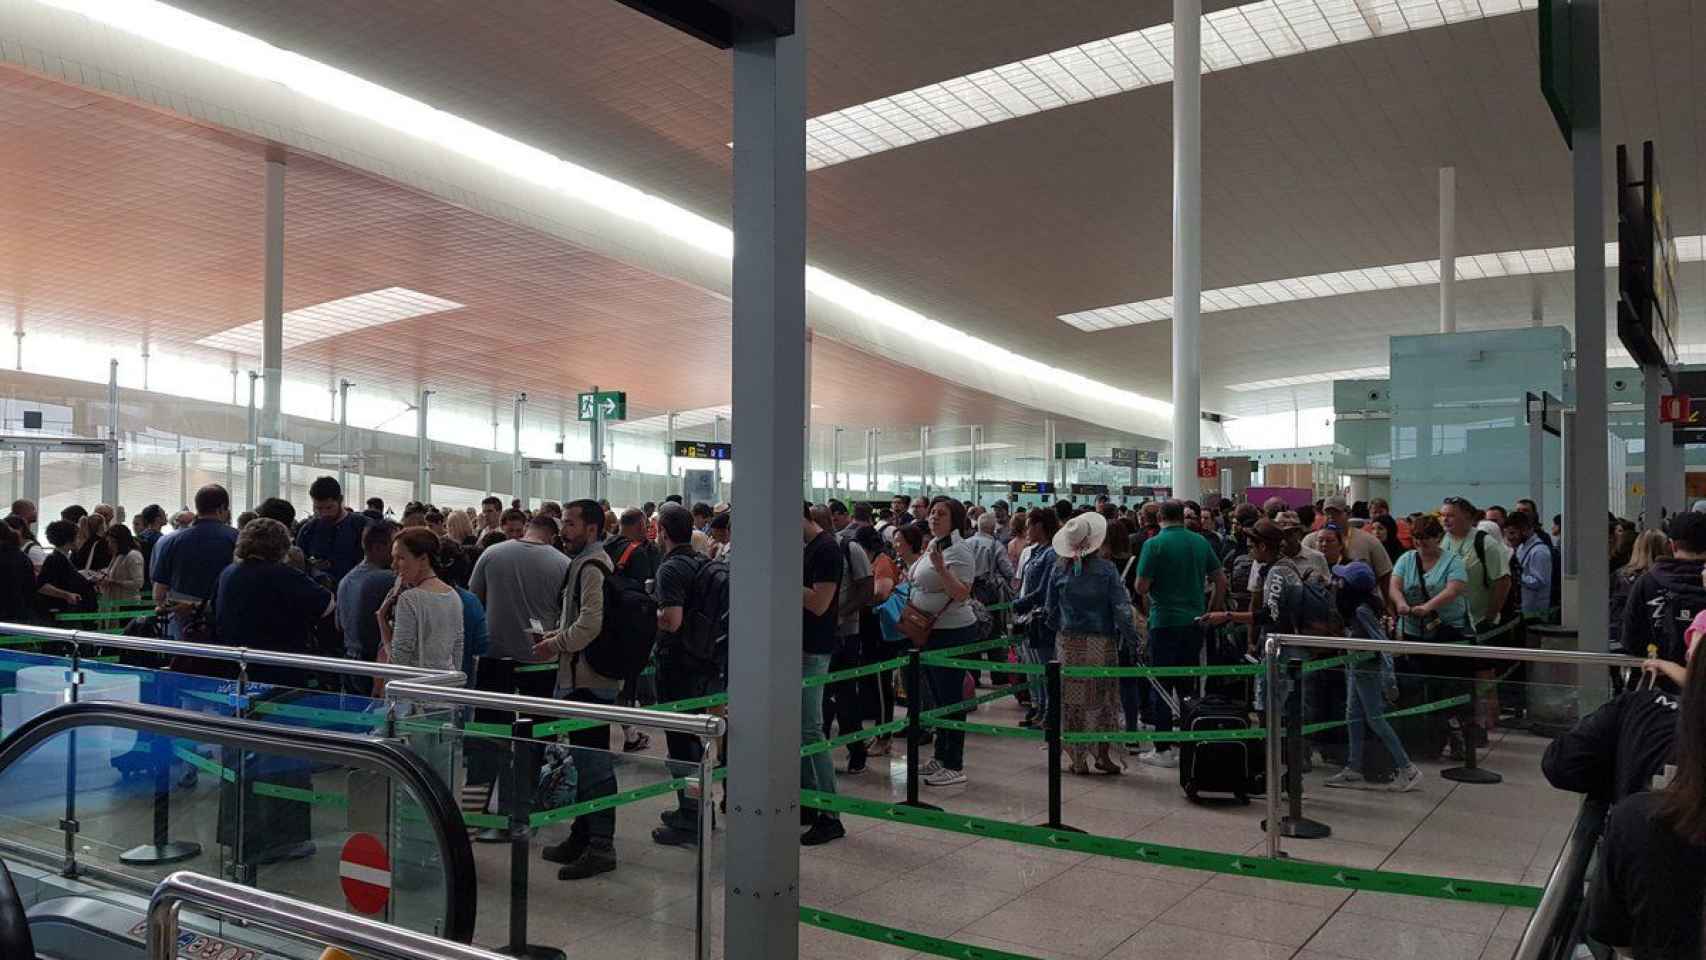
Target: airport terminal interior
{"points": [[1246, 454]]}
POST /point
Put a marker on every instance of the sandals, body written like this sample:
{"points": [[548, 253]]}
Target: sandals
{"points": [[1107, 764]]}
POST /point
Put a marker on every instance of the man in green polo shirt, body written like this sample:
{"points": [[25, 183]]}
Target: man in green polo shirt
{"points": [[1172, 575]]}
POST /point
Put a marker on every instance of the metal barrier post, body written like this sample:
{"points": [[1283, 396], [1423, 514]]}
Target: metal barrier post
{"points": [[1471, 771], [707, 824], [914, 727], [520, 790], [162, 850], [1051, 732], [1294, 824], [69, 826], [1270, 717]]}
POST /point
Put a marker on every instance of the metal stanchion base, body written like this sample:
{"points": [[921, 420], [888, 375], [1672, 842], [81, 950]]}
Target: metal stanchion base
{"points": [[1302, 828], [533, 951], [152, 854], [1471, 775], [1059, 826]]}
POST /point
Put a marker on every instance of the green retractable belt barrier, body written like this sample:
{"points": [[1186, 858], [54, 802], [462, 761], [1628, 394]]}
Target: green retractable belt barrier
{"points": [[1234, 864], [905, 939]]}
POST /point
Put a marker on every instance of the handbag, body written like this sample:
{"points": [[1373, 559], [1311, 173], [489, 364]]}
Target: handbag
{"points": [[915, 625]]}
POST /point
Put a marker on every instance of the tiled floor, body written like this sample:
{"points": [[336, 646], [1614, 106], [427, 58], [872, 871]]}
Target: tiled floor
{"points": [[1054, 904], [1022, 899]]}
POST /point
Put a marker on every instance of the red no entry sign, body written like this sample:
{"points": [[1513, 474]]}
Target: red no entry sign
{"points": [[364, 871]]}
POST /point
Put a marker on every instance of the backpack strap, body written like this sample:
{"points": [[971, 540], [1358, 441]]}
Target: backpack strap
{"points": [[627, 555]]}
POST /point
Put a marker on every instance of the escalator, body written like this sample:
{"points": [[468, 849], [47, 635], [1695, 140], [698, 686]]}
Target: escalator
{"points": [[348, 822]]}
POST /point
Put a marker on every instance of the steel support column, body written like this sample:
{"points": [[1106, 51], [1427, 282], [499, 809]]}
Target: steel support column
{"points": [[1659, 457], [109, 459], [1448, 249], [1584, 536], [272, 321], [343, 438], [423, 451], [762, 884], [518, 474], [251, 472]]}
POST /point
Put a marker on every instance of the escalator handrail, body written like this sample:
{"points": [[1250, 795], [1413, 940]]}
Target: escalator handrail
{"points": [[1561, 901], [248, 656], [438, 805], [319, 924]]}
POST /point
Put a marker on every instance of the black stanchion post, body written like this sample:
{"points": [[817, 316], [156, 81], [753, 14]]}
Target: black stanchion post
{"points": [[1471, 771], [1294, 823], [914, 726], [1051, 734], [520, 790], [162, 850]]}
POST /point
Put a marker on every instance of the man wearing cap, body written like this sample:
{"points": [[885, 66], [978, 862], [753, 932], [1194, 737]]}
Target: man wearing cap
{"points": [[1360, 546], [1172, 570]]}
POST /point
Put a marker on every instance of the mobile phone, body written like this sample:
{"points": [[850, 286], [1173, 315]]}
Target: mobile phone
{"points": [[536, 625]]}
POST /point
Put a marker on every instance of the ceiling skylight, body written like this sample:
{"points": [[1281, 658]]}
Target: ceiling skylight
{"points": [[1358, 373], [1235, 37], [334, 318], [1422, 273]]}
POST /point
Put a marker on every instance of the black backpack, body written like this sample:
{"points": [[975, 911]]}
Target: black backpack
{"points": [[1671, 612], [705, 622], [1513, 596], [624, 641]]}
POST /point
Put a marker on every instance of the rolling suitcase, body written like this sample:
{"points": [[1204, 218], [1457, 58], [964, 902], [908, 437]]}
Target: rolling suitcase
{"points": [[1218, 766]]}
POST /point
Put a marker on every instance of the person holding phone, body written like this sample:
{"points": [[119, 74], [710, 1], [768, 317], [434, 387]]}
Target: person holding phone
{"points": [[941, 589]]}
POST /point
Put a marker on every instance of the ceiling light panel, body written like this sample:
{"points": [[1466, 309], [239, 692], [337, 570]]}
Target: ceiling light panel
{"points": [[1357, 373], [1422, 273], [334, 318], [1235, 37]]}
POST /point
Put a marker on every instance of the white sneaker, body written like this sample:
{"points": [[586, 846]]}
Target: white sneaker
{"points": [[945, 778], [1162, 758], [1406, 780], [1347, 778], [930, 768]]}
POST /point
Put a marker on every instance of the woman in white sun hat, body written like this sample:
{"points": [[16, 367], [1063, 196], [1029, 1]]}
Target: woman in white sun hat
{"points": [[1093, 609]]}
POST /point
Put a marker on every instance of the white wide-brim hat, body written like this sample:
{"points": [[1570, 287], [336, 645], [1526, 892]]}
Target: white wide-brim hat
{"points": [[1081, 536]]}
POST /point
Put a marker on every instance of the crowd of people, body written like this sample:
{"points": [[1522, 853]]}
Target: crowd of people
{"points": [[607, 595]]}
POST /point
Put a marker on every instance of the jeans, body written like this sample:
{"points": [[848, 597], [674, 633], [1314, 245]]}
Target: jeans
{"points": [[677, 680], [817, 772], [595, 772], [1364, 700], [1038, 649], [947, 685], [1172, 647]]}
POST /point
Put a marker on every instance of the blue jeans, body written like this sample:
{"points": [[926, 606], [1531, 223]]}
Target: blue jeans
{"points": [[1365, 701], [1038, 649], [947, 685], [817, 772], [595, 771]]}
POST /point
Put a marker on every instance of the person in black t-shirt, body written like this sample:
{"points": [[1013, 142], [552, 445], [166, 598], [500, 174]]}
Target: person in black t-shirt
{"points": [[680, 675], [17, 578], [1646, 899], [60, 587], [822, 582]]}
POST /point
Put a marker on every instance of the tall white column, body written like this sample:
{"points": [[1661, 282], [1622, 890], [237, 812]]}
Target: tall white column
{"points": [[518, 469], [343, 439], [272, 323], [1448, 249], [109, 460], [1187, 242]]}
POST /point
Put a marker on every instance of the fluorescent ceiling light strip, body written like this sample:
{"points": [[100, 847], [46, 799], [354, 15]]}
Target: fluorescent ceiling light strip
{"points": [[1480, 266], [1235, 37], [347, 93], [334, 318], [1358, 373]]}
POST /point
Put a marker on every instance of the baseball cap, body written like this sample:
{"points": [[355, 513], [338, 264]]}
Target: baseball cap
{"points": [[1356, 575], [1335, 503]]}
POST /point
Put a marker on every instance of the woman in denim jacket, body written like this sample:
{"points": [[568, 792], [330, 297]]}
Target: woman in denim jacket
{"points": [[1089, 604]]}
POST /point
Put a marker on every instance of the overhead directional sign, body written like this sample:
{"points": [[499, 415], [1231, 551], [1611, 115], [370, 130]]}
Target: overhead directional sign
{"points": [[1090, 489], [1070, 451], [608, 405], [703, 450], [1030, 486]]}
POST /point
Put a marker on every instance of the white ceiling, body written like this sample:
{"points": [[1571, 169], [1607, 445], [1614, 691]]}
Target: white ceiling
{"points": [[1318, 162]]}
